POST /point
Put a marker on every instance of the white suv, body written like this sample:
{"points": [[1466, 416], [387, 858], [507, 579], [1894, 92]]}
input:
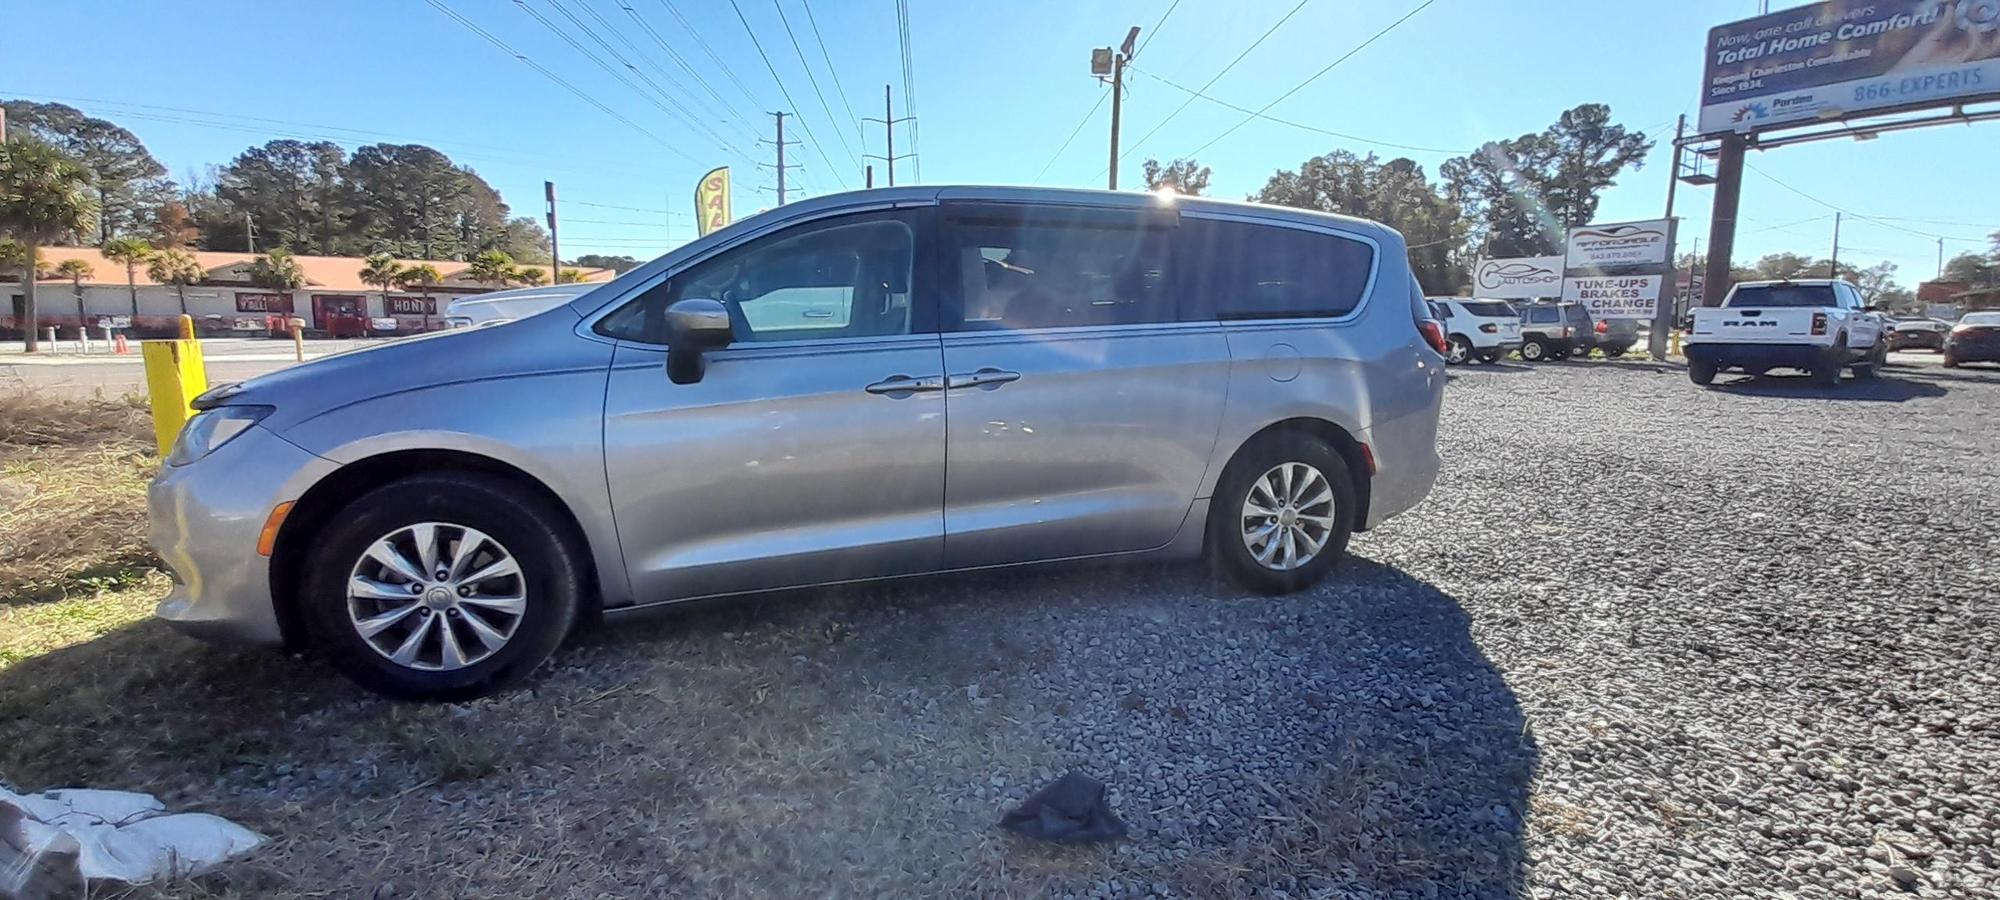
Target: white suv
{"points": [[1478, 329]]}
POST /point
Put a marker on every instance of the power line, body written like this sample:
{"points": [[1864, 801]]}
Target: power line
{"points": [[839, 131], [710, 53], [1135, 145], [830, 68], [1315, 77], [1102, 95], [1841, 209], [440, 7], [787, 94], [909, 82], [1156, 26], [1299, 125], [683, 63]]}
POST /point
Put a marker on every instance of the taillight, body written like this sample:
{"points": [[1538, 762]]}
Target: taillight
{"points": [[1489, 328], [1433, 332], [1819, 323], [1603, 327]]}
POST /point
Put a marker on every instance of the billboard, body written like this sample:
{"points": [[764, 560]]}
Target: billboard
{"points": [[1618, 244], [711, 201], [1519, 278], [1615, 296], [1841, 57]]}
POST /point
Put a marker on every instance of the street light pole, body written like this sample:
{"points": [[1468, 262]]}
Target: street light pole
{"points": [[1117, 60]]}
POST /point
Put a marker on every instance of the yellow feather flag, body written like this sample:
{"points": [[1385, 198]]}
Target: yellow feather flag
{"points": [[711, 200]]}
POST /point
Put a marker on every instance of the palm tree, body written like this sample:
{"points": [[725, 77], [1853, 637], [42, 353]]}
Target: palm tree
{"points": [[178, 268], [44, 195], [382, 271], [76, 270], [131, 252], [277, 271], [530, 275], [491, 267], [421, 276], [571, 276]]}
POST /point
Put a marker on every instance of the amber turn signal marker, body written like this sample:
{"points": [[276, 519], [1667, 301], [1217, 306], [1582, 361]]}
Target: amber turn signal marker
{"points": [[268, 538]]}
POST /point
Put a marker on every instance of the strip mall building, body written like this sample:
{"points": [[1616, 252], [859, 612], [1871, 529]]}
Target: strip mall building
{"points": [[334, 300]]}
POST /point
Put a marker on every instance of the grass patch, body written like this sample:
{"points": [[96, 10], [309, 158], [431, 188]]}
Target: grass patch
{"points": [[72, 497]]}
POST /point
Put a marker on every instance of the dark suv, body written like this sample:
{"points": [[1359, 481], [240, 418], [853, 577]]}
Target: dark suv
{"points": [[1554, 330]]}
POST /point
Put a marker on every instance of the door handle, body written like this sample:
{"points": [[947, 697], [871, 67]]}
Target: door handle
{"points": [[982, 378], [904, 384]]}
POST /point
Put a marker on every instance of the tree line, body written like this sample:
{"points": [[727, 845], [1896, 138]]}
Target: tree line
{"points": [[407, 200]]}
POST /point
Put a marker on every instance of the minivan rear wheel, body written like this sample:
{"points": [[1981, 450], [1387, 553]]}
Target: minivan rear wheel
{"points": [[442, 586], [1282, 514]]}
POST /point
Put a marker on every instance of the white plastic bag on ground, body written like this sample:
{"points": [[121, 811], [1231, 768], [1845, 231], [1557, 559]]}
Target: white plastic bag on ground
{"points": [[112, 835]]}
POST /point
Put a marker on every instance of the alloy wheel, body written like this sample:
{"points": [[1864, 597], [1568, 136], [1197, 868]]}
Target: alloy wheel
{"points": [[435, 596], [1288, 516]]}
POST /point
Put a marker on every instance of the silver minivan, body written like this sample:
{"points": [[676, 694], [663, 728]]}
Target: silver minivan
{"points": [[858, 386]]}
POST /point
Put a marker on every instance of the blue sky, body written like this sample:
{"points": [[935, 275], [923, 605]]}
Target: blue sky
{"points": [[999, 86]]}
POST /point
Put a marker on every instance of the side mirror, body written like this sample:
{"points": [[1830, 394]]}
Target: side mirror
{"points": [[694, 327]]}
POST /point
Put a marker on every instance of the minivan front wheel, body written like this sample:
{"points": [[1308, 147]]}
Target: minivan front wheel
{"points": [[1282, 514], [443, 586]]}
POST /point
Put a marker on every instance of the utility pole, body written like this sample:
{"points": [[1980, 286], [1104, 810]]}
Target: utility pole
{"points": [[3, 125], [782, 165], [555, 250], [1106, 60], [249, 234], [1940, 273], [1833, 265], [1663, 310], [889, 123]]}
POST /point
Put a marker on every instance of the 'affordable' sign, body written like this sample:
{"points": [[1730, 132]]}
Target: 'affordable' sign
{"points": [[1618, 244]]}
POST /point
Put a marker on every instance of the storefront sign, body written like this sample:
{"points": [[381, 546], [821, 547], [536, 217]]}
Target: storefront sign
{"points": [[411, 306], [1615, 296], [1519, 278], [264, 303], [1617, 244]]}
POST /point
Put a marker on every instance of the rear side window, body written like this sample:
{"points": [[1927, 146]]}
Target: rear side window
{"points": [[1778, 296], [1051, 267], [1544, 315], [1489, 309], [1249, 271]]}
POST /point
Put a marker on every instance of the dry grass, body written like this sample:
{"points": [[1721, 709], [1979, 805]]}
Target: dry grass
{"points": [[72, 496]]}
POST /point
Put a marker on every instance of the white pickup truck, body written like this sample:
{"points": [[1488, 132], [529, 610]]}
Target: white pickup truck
{"points": [[1820, 326]]}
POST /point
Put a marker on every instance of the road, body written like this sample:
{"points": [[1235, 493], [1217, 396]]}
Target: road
{"points": [[98, 373]]}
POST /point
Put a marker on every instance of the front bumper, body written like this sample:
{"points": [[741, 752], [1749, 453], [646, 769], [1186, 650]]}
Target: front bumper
{"points": [[205, 520], [1765, 356]]}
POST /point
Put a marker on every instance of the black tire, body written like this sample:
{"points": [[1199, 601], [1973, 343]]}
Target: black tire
{"points": [[1459, 351], [1615, 352], [1950, 361], [1877, 358], [1701, 373], [528, 526], [1534, 350], [1227, 549], [1825, 374], [1490, 357]]}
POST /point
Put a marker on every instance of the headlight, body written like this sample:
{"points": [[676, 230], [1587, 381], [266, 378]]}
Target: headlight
{"points": [[211, 429]]}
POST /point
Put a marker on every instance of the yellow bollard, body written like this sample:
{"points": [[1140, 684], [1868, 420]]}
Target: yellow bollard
{"points": [[1674, 342], [187, 327], [175, 376], [298, 339]]}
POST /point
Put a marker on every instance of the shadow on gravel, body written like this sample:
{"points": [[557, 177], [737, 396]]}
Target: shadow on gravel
{"points": [[1353, 740], [1891, 388]]}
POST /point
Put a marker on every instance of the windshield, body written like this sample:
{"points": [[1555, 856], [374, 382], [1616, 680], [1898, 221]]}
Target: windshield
{"points": [[1775, 296], [1981, 318], [1492, 309]]}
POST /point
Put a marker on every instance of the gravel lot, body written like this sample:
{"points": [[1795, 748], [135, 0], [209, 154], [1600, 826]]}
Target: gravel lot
{"points": [[1644, 640]]}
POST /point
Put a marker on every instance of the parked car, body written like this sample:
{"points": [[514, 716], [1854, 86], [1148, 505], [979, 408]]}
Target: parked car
{"points": [[1817, 325], [1553, 330], [1485, 330], [481, 310], [1976, 338], [1918, 334], [852, 387], [1611, 337]]}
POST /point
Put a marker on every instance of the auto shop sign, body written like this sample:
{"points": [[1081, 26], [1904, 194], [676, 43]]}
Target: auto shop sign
{"points": [[1615, 296], [1519, 278], [1618, 245]]}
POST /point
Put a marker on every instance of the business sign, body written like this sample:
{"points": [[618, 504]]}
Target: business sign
{"points": [[1618, 244], [1519, 278], [711, 201], [264, 303], [1615, 296], [410, 306], [1841, 57]]}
